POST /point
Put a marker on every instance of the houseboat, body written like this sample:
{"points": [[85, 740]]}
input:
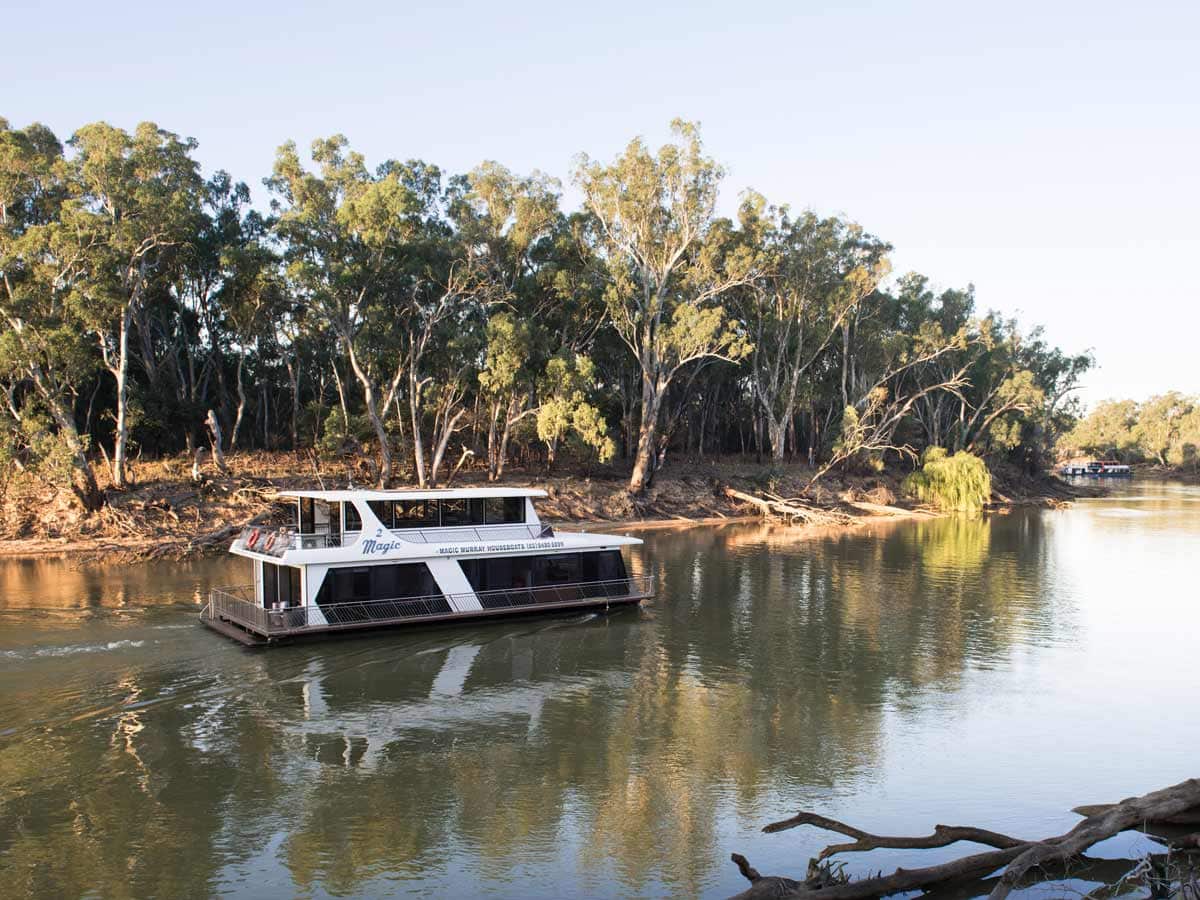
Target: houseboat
{"points": [[357, 559], [1097, 468]]}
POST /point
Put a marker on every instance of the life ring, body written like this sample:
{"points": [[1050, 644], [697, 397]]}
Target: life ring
{"points": [[270, 541], [252, 539]]}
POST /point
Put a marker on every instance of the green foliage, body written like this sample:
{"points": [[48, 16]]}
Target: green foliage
{"points": [[1164, 429], [567, 409], [447, 310], [958, 482]]}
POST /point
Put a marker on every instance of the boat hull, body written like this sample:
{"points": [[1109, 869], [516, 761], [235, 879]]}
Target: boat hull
{"points": [[250, 635]]}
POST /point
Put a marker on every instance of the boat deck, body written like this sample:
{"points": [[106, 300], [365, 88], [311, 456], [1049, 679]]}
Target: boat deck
{"points": [[231, 612]]}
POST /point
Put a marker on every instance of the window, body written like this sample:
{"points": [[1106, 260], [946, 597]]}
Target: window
{"points": [[392, 582], [281, 584], [383, 511], [505, 510], [353, 519], [307, 521], [560, 569], [414, 514], [498, 574], [462, 512]]}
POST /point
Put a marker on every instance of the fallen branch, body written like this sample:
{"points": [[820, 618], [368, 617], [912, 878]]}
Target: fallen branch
{"points": [[1019, 858], [791, 510]]}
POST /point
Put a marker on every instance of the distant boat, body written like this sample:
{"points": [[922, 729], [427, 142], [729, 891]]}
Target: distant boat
{"points": [[357, 559], [1097, 468]]}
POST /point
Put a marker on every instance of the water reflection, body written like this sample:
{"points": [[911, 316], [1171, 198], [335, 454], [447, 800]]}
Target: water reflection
{"points": [[619, 754]]}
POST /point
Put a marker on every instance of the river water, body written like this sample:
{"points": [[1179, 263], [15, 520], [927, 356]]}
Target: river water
{"points": [[992, 671]]}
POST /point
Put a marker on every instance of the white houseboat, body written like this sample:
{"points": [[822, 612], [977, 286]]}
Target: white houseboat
{"points": [[356, 559], [1097, 468]]}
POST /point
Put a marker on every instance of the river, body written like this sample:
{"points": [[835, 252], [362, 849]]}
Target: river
{"points": [[993, 671]]}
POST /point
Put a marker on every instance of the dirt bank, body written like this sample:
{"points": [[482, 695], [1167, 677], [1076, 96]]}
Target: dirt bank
{"points": [[165, 514]]}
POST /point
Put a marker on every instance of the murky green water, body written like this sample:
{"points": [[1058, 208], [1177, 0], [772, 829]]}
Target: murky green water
{"points": [[993, 672]]}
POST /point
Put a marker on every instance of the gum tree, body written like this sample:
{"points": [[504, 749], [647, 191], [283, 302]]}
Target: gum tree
{"points": [[666, 267], [813, 273], [43, 353], [135, 200]]}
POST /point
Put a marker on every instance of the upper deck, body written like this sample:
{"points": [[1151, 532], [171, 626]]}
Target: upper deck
{"points": [[358, 524]]}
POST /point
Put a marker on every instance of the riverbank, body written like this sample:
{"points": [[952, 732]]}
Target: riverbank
{"points": [[164, 513]]}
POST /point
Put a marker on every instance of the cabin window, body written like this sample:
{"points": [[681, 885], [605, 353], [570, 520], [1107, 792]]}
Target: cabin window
{"points": [[560, 569], [462, 512], [414, 514], [505, 510], [281, 584], [308, 515], [530, 571], [499, 574], [400, 581], [353, 519], [383, 510]]}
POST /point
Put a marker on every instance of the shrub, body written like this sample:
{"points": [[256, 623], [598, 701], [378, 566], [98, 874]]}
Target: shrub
{"points": [[960, 482]]}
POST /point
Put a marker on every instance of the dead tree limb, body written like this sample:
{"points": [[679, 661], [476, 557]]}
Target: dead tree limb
{"points": [[1018, 858], [773, 507], [1130, 813], [943, 836]]}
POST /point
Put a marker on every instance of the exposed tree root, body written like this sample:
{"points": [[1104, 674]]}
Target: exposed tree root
{"points": [[1018, 858]]}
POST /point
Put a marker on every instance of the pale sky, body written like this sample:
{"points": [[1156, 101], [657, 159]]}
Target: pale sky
{"points": [[1046, 152]]}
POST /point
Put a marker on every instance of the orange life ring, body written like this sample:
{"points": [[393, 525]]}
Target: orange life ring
{"points": [[270, 541], [253, 539]]}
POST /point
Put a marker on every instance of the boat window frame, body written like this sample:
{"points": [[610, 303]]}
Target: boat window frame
{"points": [[348, 508], [507, 505]]}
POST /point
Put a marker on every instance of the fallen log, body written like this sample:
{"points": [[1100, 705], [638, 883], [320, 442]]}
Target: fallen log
{"points": [[1018, 858], [773, 507]]}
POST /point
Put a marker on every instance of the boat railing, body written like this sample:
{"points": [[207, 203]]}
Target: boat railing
{"points": [[277, 541], [315, 540], [485, 533], [236, 604], [232, 605]]}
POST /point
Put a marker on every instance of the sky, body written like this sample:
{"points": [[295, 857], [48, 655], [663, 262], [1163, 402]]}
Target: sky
{"points": [[1048, 153]]}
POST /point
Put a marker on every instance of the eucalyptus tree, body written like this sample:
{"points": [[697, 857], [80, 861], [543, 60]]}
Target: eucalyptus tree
{"points": [[135, 200], [503, 218], [1159, 423], [351, 238], [42, 350], [813, 274], [1107, 429], [668, 268]]}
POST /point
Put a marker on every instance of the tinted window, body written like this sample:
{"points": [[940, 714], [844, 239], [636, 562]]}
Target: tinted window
{"points": [[392, 582], [383, 511], [353, 519], [505, 510], [415, 514], [561, 569], [462, 512]]}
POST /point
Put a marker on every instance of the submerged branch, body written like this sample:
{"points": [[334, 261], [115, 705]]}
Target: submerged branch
{"points": [[1179, 804]]}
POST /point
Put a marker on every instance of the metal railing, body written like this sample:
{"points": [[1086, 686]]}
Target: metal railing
{"points": [[285, 539], [493, 533], [233, 605]]}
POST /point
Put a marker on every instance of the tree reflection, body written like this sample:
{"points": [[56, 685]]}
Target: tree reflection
{"points": [[597, 750]]}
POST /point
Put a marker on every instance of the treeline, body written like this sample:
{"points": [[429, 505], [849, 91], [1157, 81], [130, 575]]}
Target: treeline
{"points": [[1164, 429], [428, 319]]}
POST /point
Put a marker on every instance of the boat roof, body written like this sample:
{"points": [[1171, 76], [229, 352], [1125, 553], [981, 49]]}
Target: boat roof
{"points": [[348, 494]]}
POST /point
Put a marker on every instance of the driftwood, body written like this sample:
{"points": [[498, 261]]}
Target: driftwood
{"points": [[791, 509], [1017, 857]]}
